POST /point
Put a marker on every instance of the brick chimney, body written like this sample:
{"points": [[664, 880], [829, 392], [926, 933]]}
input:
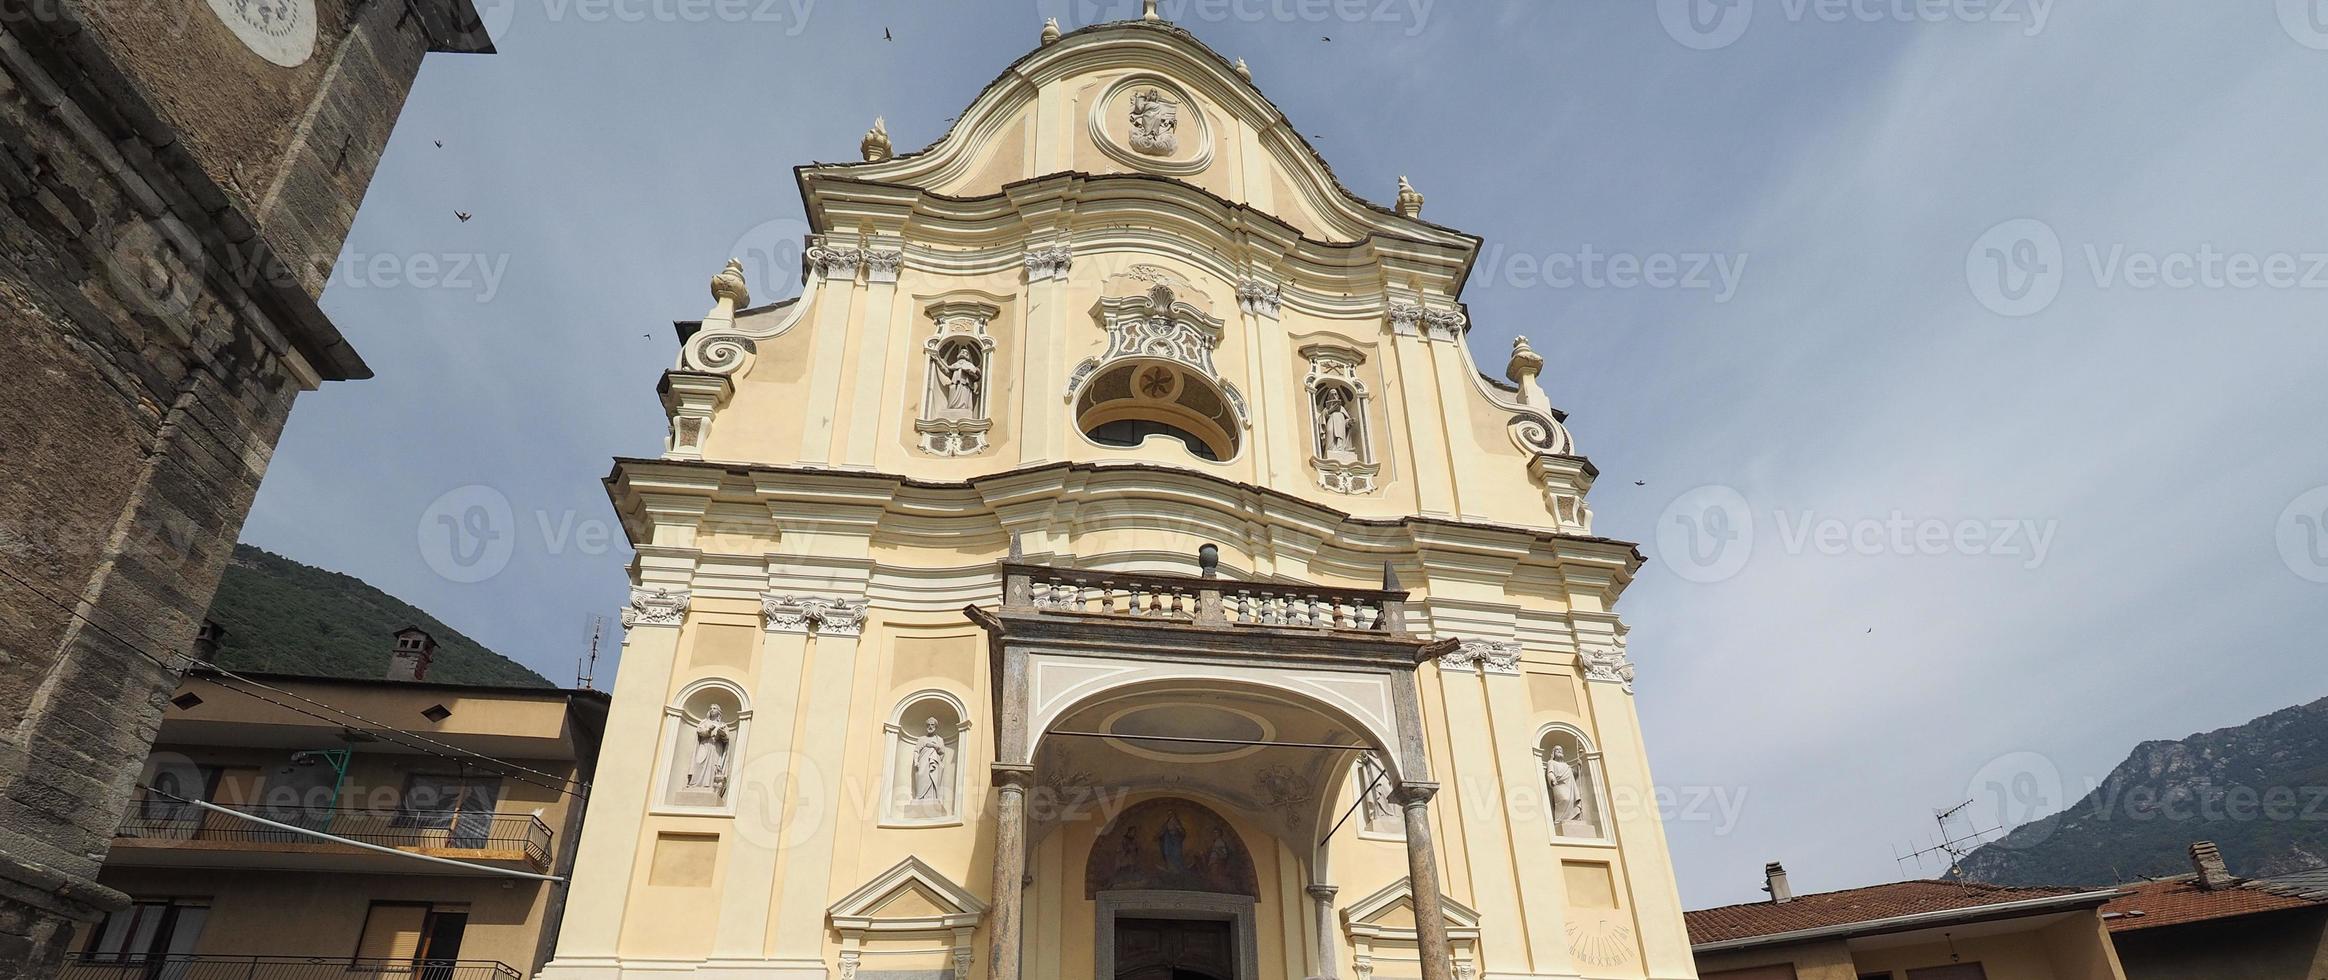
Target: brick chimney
{"points": [[1774, 882], [414, 649], [2207, 862]]}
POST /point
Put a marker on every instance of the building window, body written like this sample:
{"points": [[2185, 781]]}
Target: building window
{"points": [[413, 932], [148, 928], [1126, 404], [460, 806]]}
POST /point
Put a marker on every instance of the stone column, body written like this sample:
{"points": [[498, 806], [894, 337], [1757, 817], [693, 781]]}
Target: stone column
{"points": [[1323, 896], [1423, 878], [1010, 869]]}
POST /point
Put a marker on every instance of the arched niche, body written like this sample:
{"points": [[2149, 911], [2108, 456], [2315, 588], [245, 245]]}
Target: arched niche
{"points": [[957, 405], [703, 747], [922, 783], [1575, 790], [1342, 442]]}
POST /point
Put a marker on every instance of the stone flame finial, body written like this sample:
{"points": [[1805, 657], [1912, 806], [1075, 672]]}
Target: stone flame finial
{"points": [[729, 286], [1243, 70], [1410, 202], [1523, 369], [1050, 29], [1526, 363], [875, 145], [1148, 11]]}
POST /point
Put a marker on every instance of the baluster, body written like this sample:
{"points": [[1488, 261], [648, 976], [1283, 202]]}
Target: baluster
{"points": [[1368, 616]]}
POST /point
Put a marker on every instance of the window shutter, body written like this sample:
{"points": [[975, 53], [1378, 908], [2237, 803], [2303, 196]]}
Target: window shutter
{"points": [[392, 932]]}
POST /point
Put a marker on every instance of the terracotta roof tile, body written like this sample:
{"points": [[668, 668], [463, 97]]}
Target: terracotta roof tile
{"points": [[1852, 905], [2177, 900]]}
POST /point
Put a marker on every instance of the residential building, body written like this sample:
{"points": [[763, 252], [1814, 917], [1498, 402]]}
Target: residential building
{"points": [[1115, 563], [2212, 925], [176, 180], [1907, 930], [439, 787]]}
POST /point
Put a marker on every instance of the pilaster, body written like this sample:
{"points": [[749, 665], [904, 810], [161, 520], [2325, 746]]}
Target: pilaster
{"points": [[877, 338], [833, 282]]}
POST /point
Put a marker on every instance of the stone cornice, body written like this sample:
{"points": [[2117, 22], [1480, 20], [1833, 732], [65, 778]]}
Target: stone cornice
{"points": [[864, 504]]}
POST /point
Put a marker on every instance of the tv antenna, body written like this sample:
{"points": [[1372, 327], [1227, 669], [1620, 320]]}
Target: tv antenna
{"points": [[587, 674], [1951, 844]]}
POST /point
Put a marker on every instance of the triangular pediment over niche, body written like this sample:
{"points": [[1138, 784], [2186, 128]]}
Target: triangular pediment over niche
{"points": [[1390, 914], [910, 897]]}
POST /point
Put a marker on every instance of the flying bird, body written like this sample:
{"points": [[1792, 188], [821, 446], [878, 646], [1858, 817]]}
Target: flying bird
{"points": [[463, 215], [886, 36], [1328, 40], [1640, 483], [440, 144]]}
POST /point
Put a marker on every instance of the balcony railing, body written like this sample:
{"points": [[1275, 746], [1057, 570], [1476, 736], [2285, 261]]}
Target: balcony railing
{"points": [[487, 833], [1202, 601], [91, 966]]}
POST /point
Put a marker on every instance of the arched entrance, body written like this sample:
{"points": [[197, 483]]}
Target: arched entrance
{"points": [[1175, 893], [1114, 689]]}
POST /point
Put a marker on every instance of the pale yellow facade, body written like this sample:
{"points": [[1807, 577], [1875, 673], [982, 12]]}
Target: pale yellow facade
{"points": [[908, 529]]}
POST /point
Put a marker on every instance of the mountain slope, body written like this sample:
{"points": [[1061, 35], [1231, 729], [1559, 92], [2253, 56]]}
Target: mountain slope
{"points": [[286, 617], [2259, 790]]}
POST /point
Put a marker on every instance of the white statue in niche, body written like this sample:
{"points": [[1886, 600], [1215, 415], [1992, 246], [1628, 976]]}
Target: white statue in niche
{"points": [[1337, 438], [709, 770], [961, 381], [1374, 795], [929, 764], [1564, 781], [1155, 123]]}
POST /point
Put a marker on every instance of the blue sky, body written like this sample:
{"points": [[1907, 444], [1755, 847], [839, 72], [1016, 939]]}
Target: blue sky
{"points": [[1880, 635]]}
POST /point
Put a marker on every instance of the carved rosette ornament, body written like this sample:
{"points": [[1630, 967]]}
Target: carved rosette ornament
{"points": [[1475, 655], [655, 607], [813, 614], [956, 412], [1049, 262], [1341, 434]]}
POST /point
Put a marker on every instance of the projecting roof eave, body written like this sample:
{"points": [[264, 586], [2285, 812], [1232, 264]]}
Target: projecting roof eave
{"points": [[1920, 920]]}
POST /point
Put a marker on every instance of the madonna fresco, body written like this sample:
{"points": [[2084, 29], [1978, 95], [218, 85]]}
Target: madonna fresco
{"points": [[1170, 845]]}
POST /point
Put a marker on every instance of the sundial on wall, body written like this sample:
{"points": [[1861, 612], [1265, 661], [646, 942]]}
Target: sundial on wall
{"points": [[281, 31]]}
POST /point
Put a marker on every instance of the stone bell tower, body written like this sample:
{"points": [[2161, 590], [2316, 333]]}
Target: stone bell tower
{"points": [[176, 179]]}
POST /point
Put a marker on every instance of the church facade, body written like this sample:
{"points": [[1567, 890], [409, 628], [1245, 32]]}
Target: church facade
{"points": [[1115, 564]]}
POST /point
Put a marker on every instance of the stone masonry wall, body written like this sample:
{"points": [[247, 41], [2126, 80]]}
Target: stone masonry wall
{"points": [[147, 322]]}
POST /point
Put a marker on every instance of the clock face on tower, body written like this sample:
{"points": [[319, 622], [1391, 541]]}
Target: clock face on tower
{"points": [[281, 31]]}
